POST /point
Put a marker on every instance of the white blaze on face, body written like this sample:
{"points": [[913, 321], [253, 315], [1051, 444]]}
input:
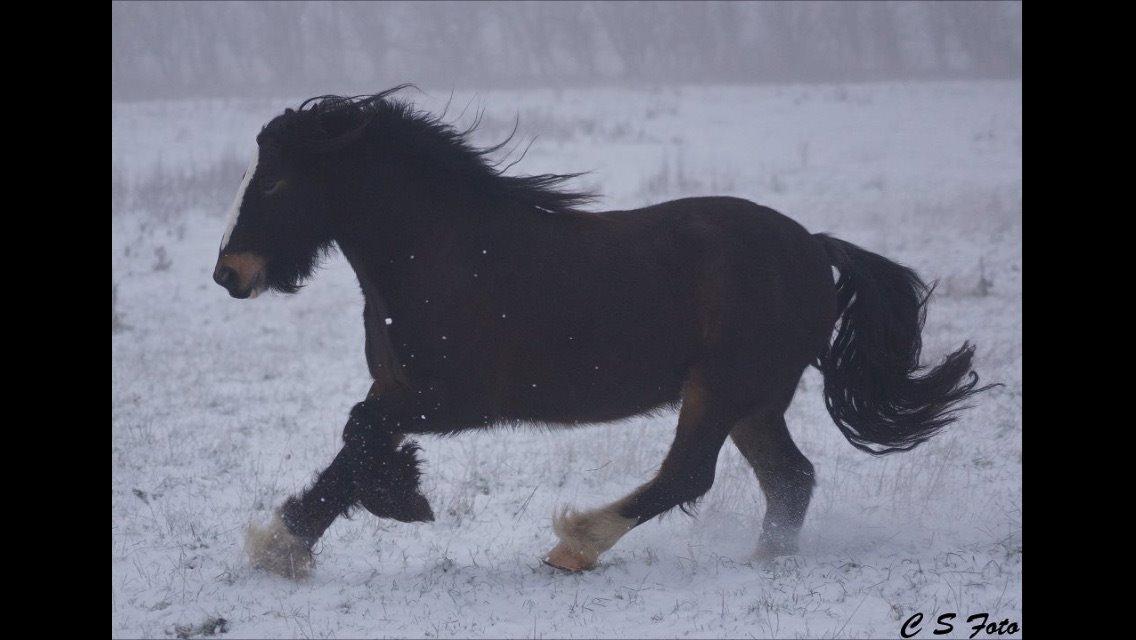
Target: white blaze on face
{"points": [[235, 209]]}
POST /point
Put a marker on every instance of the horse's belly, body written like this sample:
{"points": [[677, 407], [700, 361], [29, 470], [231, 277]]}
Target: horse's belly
{"points": [[595, 391]]}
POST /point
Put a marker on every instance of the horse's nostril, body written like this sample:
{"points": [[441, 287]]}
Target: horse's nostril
{"points": [[224, 276]]}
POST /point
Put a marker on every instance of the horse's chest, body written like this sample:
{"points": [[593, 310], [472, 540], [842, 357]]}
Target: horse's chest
{"points": [[382, 359]]}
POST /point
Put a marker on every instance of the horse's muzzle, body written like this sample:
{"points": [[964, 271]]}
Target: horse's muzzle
{"points": [[242, 274]]}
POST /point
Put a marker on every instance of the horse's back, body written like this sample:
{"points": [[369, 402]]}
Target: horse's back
{"points": [[754, 275], [732, 233], [630, 300]]}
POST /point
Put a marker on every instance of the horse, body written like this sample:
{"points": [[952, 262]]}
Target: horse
{"points": [[494, 299]]}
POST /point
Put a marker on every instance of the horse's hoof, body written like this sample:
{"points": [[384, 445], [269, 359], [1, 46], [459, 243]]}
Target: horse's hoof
{"points": [[566, 559], [274, 548]]}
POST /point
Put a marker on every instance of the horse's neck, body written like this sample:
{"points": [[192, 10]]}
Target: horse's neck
{"points": [[368, 258], [421, 246], [384, 255], [382, 359]]}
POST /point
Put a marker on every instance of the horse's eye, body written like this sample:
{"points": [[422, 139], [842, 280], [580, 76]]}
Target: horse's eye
{"points": [[280, 184]]}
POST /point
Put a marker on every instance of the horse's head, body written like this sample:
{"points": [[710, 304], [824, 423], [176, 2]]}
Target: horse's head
{"points": [[279, 222]]}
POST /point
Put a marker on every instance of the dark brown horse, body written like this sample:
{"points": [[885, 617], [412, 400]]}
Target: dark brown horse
{"points": [[493, 299]]}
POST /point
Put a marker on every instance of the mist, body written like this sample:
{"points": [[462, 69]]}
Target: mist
{"points": [[197, 49]]}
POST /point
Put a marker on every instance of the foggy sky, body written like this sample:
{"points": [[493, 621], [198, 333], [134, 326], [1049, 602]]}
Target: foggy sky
{"points": [[197, 49]]}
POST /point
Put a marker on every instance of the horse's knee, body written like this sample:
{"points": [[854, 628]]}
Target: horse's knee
{"points": [[359, 421], [366, 421]]}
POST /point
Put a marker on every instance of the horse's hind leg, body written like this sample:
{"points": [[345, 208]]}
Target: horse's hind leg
{"points": [[786, 477], [687, 472]]}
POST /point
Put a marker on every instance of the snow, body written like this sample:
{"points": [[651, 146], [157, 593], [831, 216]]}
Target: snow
{"points": [[221, 408]]}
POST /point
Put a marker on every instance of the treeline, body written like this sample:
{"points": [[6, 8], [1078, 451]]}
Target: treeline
{"points": [[188, 49]]}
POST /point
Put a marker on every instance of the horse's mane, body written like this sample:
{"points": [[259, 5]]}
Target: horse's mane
{"points": [[331, 123]]}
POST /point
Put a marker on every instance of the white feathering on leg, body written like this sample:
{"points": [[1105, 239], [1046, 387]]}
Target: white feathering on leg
{"points": [[590, 533], [274, 548]]}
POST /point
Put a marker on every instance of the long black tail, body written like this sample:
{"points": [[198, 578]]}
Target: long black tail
{"points": [[876, 392]]}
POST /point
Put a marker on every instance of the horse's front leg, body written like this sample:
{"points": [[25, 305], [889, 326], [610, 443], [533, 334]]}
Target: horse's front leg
{"points": [[284, 546], [370, 470]]}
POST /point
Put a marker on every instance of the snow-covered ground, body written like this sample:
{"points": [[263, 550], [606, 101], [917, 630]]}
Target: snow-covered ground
{"points": [[221, 408]]}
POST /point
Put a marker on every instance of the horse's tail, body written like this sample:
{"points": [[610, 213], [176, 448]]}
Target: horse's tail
{"points": [[875, 390]]}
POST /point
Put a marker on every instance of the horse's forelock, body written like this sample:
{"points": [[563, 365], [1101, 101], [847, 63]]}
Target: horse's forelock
{"points": [[328, 123]]}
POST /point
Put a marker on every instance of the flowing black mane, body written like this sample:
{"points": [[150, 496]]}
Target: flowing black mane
{"points": [[330, 124]]}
